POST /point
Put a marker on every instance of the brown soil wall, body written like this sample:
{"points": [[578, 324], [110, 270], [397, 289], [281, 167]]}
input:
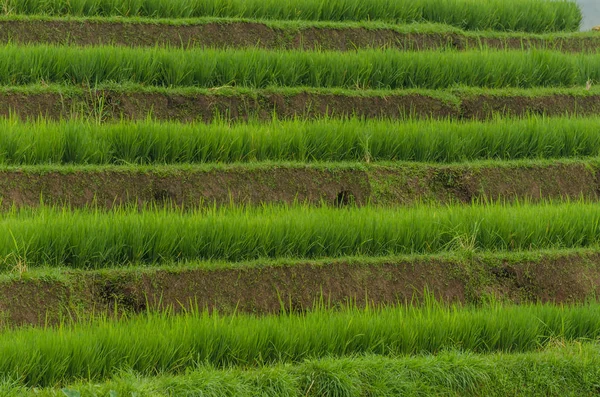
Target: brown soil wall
{"points": [[566, 278], [111, 105], [385, 185], [247, 34]]}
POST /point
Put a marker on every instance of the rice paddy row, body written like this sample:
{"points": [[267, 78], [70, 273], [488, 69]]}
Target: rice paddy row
{"points": [[96, 239], [328, 140], [159, 343], [569, 369], [256, 68], [523, 15]]}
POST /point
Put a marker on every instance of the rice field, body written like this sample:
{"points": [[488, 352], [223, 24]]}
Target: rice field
{"points": [[94, 238], [558, 369], [153, 344], [325, 140], [498, 321], [513, 15], [256, 68]]}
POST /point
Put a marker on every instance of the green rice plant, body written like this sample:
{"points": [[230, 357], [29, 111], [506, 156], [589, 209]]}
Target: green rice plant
{"points": [[328, 140], [504, 15], [570, 369], [257, 68], [94, 239], [162, 343]]}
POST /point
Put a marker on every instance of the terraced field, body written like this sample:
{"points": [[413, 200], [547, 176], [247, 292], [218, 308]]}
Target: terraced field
{"points": [[299, 198]]}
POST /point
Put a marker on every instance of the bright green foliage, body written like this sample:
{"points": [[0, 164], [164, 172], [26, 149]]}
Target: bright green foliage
{"points": [[82, 238], [434, 141], [255, 68], [171, 344], [570, 370], [348, 352], [505, 15]]}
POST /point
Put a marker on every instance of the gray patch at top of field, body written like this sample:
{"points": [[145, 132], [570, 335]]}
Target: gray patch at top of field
{"points": [[591, 13]]}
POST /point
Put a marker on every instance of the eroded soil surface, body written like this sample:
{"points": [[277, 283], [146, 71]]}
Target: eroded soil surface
{"points": [[263, 105], [565, 278], [375, 184], [248, 34]]}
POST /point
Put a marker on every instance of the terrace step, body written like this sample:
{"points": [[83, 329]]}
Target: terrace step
{"points": [[36, 297], [332, 184], [229, 33], [56, 103]]}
